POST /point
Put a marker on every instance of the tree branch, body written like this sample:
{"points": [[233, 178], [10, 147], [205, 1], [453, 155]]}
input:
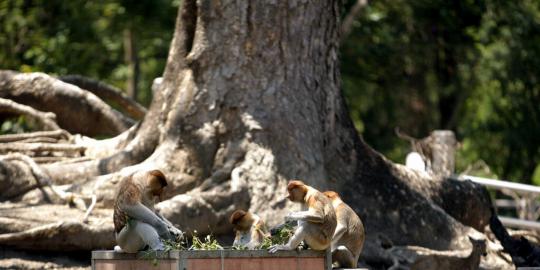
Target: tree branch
{"points": [[57, 135], [46, 119], [347, 25], [41, 147], [43, 180], [77, 110], [107, 92]]}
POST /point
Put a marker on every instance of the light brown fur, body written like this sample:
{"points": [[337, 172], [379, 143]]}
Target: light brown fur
{"points": [[320, 225], [250, 229], [353, 236], [133, 190]]}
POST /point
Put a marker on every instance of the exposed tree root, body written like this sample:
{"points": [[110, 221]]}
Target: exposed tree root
{"points": [[43, 181], [44, 119], [107, 92], [41, 149], [62, 235], [57, 135], [77, 110], [16, 179]]}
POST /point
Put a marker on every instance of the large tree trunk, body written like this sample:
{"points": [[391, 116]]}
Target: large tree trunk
{"points": [[251, 98]]}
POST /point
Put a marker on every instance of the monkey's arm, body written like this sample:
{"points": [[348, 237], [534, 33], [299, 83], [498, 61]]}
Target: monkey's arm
{"points": [[340, 230], [172, 229], [295, 240], [237, 239], [257, 238], [140, 212], [310, 215], [164, 219]]}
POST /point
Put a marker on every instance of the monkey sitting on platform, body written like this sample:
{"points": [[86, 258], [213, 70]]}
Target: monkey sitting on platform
{"points": [[250, 229], [136, 223], [349, 236], [316, 225]]}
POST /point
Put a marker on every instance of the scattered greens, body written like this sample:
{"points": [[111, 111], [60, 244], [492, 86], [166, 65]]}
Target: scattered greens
{"points": [[209, 243], [281, 237]]}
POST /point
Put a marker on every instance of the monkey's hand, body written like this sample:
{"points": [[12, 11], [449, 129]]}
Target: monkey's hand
{"points": [[163, 231], [275, 248], [177, 234]]}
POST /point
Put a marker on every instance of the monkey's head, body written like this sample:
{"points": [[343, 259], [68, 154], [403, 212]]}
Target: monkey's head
{"points": [[332, 195], [241, 220], [156, 182], [297, 190]]}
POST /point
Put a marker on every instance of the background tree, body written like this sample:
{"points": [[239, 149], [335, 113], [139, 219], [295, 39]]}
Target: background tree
{"points": [[231, 130], [465, 66]]}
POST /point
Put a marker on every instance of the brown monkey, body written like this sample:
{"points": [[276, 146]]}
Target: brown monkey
{"points": [[136, 223], [349, 236], [250, 229], [316, 225]]}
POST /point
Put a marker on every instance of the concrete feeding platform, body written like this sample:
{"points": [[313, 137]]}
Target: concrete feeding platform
{"points": [[213, 260]]}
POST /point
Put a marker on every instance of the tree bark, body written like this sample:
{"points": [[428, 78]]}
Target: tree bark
{"points": [[287, 119]]}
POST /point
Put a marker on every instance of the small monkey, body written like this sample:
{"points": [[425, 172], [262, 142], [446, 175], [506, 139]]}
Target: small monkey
{"points": [[136, 223], [316, 225], [250, 229], [349, 236]]}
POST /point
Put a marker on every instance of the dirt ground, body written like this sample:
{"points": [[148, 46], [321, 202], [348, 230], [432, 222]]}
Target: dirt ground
{"points": [[12, 259]]}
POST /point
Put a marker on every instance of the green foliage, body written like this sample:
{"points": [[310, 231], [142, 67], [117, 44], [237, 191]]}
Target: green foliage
{"points": [[536, 175], [469, 66], [85, 37], [175, 245], [209, 243], [280, 238], [15, 125]]}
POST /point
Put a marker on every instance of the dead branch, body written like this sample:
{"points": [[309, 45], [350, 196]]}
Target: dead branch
{"points": [[45, 120], [16, 179], [39, 140], [90, 208], [43, 180], [52, 237], [107, 92], [347, 25], [72, 160], [56, 134], [43, 160], [77, 110], [69, 149]]}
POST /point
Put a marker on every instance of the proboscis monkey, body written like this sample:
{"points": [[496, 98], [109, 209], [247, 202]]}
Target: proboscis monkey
{"points": [[136, 223], [349, 235], [250, 229], [316, 225]]}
